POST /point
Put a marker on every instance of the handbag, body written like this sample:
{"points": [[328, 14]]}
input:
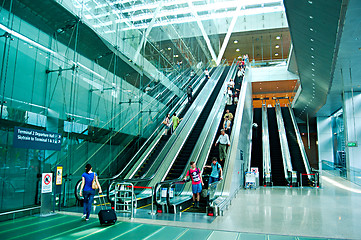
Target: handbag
{"points": [[94, 183]]}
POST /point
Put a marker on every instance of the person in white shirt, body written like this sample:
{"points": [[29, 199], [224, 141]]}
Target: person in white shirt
{"points": [[206, 73], [231, 84], [227, 126], [223, 141], [147, 89], [229, 96]]}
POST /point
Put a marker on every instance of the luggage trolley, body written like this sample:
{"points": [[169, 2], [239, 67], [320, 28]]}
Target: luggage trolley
{"points": [[125, 200], [251, 180]]}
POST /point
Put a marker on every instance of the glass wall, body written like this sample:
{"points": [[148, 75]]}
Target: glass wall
{"points": [[46, 85]]}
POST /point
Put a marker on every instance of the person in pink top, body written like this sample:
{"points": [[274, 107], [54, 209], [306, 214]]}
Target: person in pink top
{"points": [[197, 182]]}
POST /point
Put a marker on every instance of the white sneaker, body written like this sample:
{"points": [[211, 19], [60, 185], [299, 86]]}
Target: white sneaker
{"points": [[84, 216]]}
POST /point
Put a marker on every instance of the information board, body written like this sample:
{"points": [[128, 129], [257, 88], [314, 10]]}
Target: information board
{"points": [[36, 139], [59, 175]]}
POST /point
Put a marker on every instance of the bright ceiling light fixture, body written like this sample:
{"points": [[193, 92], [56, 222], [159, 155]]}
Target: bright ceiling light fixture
{"points": [[278, 37], [277, 46], [237, 50], [276, 54], [235, 41]]}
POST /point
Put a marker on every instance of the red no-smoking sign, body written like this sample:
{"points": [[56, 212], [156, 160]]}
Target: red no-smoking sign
{"points": [[47, 179], [47, 186]]}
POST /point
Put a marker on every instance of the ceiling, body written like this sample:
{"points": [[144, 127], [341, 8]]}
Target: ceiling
{"points": [[258, 40], [271, 89], [315, 31]]}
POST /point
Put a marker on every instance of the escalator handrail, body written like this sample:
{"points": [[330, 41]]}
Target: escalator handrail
{"points": [[197, 83], [180, 179], [265, 145], [286, 157], [300, 143], [233, 147], [179, 129], [229, 75], [153, 135]]}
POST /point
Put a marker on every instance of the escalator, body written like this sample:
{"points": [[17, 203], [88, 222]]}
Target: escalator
{"points": [[257, 152], [180, 162], [163, 140], [296, 156], [232, 109], [278, 175], [128, 157]]}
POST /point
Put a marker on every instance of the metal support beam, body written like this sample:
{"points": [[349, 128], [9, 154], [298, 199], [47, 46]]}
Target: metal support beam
{"points": [[228, 35], [146, 34], [205, 36]]}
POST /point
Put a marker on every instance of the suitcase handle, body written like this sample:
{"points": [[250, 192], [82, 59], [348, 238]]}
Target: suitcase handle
{"points": [[102, 201]]}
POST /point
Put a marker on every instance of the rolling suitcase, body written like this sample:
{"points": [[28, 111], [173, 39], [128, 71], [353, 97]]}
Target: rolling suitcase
{"points": [[106, 216]]}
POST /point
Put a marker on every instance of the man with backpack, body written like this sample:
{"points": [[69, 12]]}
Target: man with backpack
{"points": [[216, 173], [197, 182], [190, 93]]}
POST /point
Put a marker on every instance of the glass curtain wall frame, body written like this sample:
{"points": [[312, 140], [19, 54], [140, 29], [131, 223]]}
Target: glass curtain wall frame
{"points": [[89, 106]]}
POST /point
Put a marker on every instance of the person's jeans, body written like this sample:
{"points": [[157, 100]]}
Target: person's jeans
{"points": [[212, 180], [88, 201]]}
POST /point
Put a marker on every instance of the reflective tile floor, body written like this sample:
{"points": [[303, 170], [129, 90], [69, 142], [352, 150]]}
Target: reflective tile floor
{"points": [[332, 212], [71, 227]]}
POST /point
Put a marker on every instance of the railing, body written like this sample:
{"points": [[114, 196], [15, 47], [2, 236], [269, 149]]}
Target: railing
{"points": [[351, 174], [286, 157], [119, 176], [173, 192], [266, 148]]}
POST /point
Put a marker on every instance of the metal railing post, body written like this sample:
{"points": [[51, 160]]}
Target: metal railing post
{"points": [[152, 212], [301, 180]]}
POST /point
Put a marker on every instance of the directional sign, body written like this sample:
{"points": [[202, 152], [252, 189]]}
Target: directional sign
{"points": [[36, 139], [46, 183]]}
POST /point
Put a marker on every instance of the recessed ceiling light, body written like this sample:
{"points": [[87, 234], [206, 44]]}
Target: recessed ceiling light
{"points": [[313, 69], [278, 37], [312, 49], [169, 48], [313, 63], [312, 56], [235, 41], [260, 88], [277, 46], [310, 2], [239, 56], [311, 39], [276, 54], [311, 17], [237, 50], [311, 29], [313, 75]]}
